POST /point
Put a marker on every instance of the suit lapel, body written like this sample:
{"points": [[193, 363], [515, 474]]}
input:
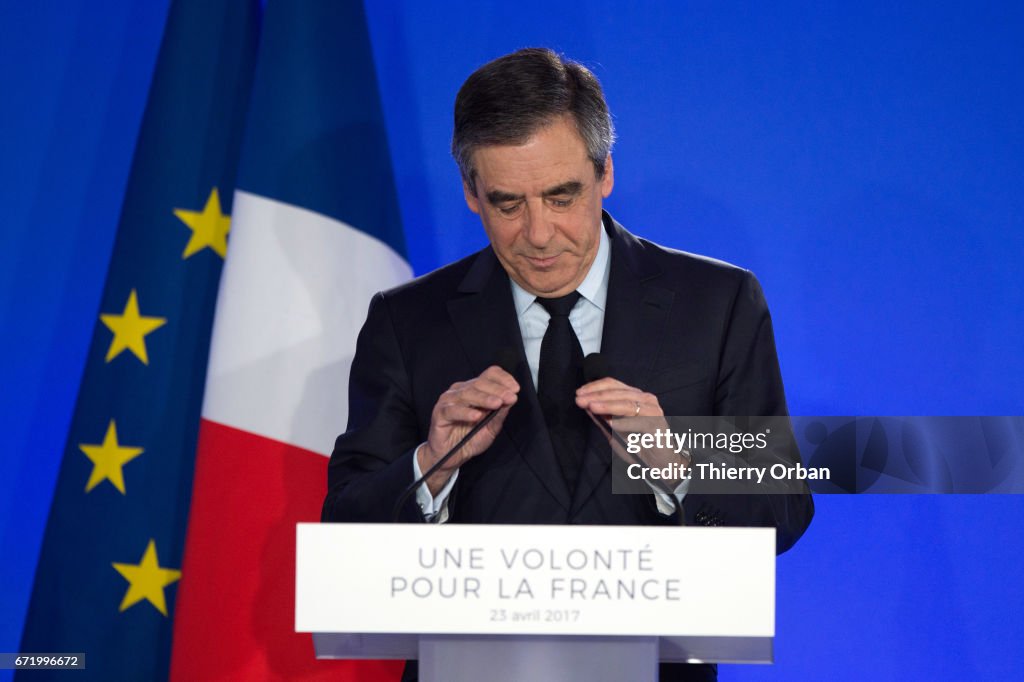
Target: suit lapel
{"points": [[636, 312], [484, 316]]}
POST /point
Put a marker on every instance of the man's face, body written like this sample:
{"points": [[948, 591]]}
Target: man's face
{"points": [[540, 204]]}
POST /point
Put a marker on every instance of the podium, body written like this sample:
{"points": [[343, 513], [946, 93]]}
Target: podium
{"points": [[537, 603]]}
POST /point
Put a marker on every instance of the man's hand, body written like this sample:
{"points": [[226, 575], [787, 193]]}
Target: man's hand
{"points": [[628, 410], [610, 398], [457, 411]]}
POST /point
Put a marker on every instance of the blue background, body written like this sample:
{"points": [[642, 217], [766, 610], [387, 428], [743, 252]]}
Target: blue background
{"points": [[865, 160]]}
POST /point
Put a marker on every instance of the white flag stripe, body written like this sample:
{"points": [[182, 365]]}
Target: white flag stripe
{"points": [[293, 295]]}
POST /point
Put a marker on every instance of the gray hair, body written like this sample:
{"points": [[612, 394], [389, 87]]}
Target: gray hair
{"points": [[507, 100]]}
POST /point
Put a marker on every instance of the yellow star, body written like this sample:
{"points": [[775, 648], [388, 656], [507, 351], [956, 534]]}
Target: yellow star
{"points": [[209, 228], [130, 330], [107, 460], [146, 580]]}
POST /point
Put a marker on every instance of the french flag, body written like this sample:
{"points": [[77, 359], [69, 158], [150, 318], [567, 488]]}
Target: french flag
{"points": [[315, 232]]}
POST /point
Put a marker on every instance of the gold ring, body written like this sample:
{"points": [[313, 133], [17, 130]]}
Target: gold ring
{"points": [[637, 413]]}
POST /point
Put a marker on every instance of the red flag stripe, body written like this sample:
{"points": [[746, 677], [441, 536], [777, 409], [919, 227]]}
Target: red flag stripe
{"points": [[238, 606]]}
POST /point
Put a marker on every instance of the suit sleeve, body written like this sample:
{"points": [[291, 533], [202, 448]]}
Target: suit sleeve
{"points": [[749, 383], [372, 461]]}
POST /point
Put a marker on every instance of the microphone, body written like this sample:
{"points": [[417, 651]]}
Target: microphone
{"points": [[508, 359], [595, 366]]}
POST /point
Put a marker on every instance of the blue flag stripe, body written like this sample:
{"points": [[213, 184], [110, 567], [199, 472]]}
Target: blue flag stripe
{"points": [[333, 157]]}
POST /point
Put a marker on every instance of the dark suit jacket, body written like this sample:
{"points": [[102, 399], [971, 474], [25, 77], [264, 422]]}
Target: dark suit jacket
{"points": [[694, 331]]}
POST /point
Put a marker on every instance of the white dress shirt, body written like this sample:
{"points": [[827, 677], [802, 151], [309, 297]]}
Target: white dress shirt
{"points": [[587, 320]]}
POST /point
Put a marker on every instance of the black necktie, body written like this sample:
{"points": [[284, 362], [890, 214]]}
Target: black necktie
{"points": [[558, 377]]}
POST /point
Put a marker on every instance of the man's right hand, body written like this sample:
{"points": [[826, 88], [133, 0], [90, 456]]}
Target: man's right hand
{"points": [[457, 411]]}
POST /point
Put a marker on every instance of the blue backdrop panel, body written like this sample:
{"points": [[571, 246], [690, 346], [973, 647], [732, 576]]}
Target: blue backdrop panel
{"points": [[74, 77], [865, 160]]}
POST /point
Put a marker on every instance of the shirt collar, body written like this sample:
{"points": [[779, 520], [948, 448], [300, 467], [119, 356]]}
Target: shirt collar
{"points": [[594, 286]]}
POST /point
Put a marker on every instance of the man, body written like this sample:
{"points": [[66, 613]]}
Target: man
{"points": [[681, 335]]}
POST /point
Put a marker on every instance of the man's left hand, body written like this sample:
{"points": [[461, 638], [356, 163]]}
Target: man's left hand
{"points": [[610, 398], [628, 410]]}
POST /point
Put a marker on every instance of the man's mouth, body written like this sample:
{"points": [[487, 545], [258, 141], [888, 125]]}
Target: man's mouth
{"points": [[542, 262]]}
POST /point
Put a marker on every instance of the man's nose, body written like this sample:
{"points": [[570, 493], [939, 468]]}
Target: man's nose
{"points": [[538, 225]]}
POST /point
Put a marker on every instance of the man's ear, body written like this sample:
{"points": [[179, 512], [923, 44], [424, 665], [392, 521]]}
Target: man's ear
{"points": [[608, 181], [471, 200]]}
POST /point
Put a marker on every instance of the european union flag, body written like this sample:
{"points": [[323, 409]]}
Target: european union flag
{"points": [[112, 551]]}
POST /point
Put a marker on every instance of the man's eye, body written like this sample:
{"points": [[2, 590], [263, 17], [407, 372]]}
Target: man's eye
{"points": [[509, 211], [560, 203]]}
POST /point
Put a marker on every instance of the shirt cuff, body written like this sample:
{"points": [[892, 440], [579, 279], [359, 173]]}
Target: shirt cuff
{"points": [[434, 509], [664, 502]]}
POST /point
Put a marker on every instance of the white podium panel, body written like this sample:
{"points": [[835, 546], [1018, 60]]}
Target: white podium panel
{"points": [[703, 594]]}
